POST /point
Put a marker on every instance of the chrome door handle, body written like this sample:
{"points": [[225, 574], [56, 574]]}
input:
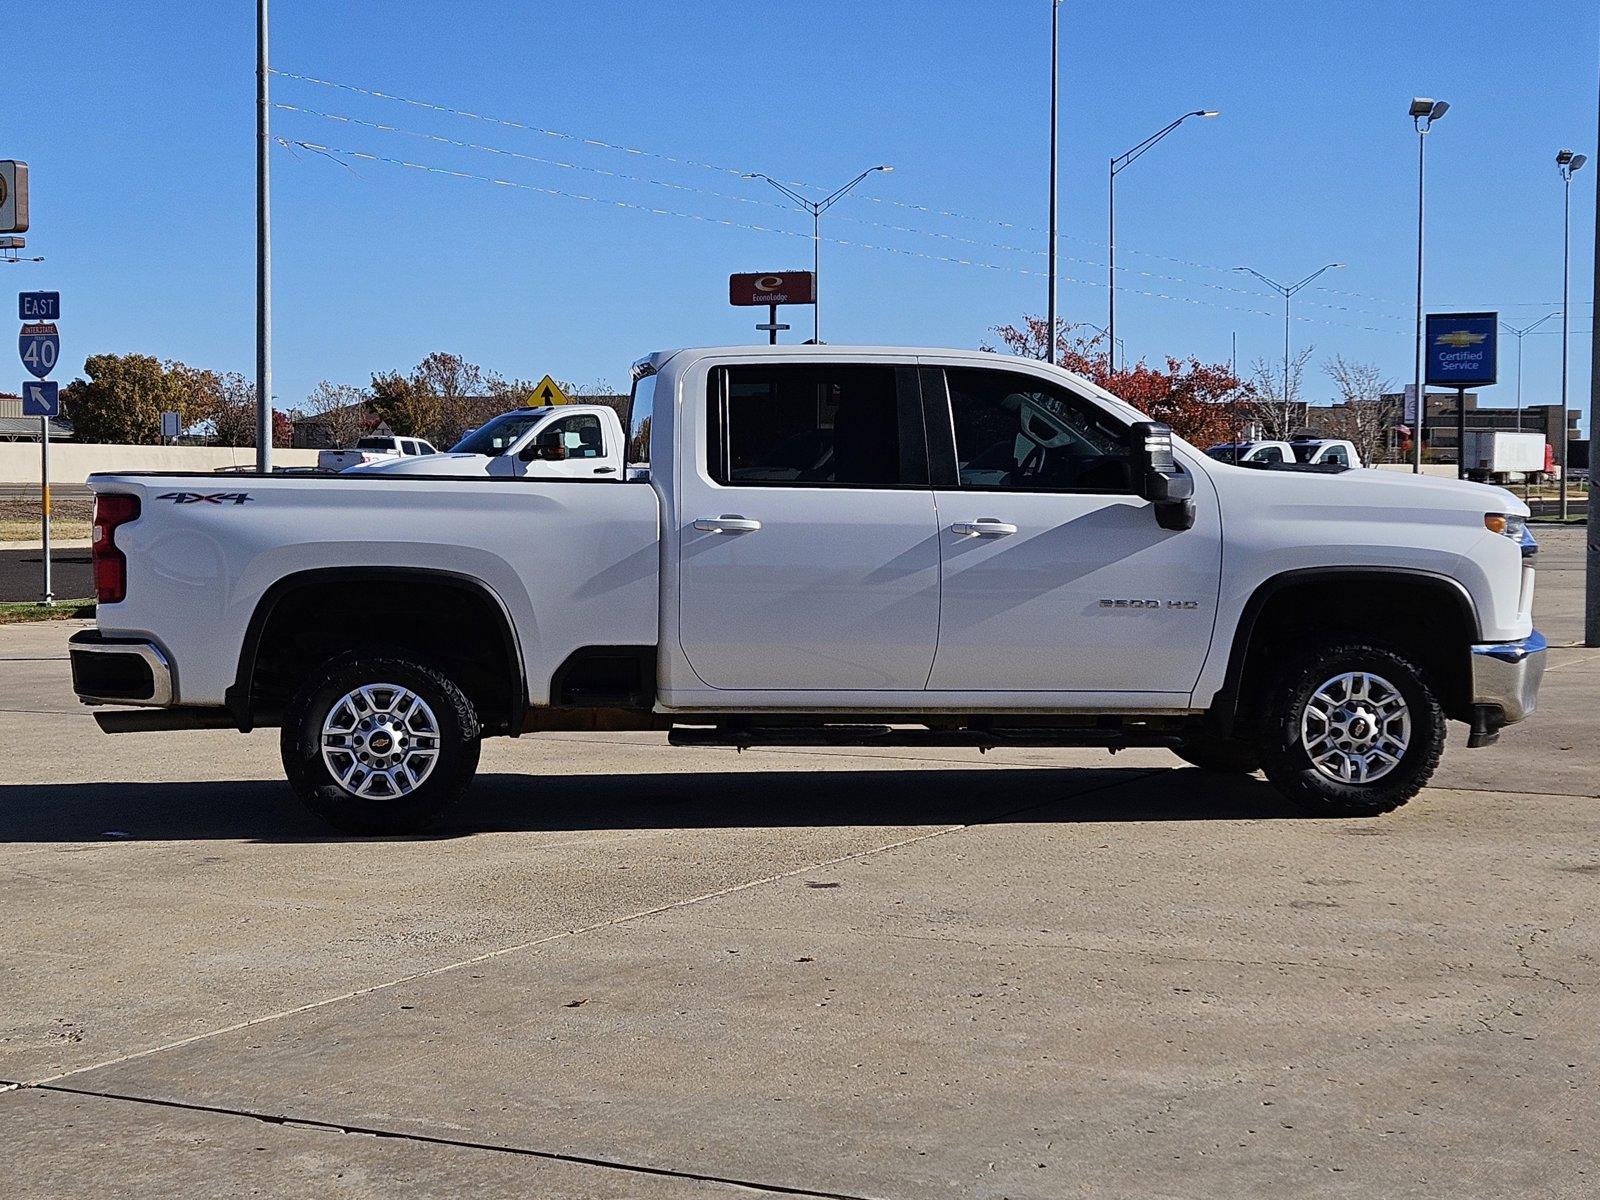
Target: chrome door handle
{"points": [[984, 527], [727, 523]]}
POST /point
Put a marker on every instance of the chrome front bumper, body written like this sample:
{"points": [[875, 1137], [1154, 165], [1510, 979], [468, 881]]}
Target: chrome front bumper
{"points": [[1505, 678]]}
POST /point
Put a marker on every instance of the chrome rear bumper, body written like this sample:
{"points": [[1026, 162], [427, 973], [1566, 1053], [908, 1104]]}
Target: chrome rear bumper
{"points": [[110, 670], [1505, 677]]}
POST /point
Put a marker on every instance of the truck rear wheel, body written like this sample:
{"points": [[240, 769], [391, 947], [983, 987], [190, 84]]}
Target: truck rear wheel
{"points": [[377, 744], [1353, 729]]}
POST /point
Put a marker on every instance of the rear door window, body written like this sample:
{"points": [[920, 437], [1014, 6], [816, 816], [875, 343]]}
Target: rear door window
{"points": [[832, 425]]}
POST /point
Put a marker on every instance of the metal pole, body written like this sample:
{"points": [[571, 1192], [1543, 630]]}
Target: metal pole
{"points": [[44, 506], [1461, 433], [1591, 594], [772, 320], [1422, 395], [1055, 29], [1566, 273], [1286, 296], [263, 251], [1519, 383], [1111, 263], [816, 276]]}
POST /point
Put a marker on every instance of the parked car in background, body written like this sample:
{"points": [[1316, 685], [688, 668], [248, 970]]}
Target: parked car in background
{"points": [[1303, 451], [823, 545], [568, 441], [378, 448]]}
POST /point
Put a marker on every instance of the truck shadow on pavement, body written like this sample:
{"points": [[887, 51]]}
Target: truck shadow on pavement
{"points": [[267, 811]]}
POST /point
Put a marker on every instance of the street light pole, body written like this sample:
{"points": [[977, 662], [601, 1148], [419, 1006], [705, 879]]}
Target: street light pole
{"points": [[1591, 570], [1287, 291], [1424, 112], [1519, 334], [1567, 162], [1055, 132], [1118, 164], [816, 208], [263, 251]]}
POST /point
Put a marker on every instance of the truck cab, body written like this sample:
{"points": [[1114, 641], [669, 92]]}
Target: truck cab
{"points": [[568, 441]]}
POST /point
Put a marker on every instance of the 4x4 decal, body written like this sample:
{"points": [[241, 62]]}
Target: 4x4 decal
{"points": [[206, 497]]}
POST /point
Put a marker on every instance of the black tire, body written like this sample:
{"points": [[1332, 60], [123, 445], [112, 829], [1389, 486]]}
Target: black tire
{"points": [[1225, 756], [1288, 763], [457, 745]]}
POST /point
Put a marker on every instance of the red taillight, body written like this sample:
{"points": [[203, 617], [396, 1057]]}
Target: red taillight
{"points": [[110, 567]]}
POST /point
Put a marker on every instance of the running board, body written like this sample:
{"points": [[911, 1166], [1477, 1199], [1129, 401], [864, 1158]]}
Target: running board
{"points": [[886, 735]]}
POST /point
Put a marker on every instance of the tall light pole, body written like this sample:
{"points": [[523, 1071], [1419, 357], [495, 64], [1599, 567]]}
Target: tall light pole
{"points": [[1424, 112], [1287, 291], [1519, 334], [263, 250], [1055, 132], [1117, 165], [816, 208], [1567, 162], [1591, 569]]}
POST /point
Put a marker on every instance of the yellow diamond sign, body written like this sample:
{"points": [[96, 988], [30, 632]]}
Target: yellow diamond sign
{"points": [[547, 391]]}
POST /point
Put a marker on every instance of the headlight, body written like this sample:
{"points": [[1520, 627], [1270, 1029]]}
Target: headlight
{"points": [[1515, 528]]}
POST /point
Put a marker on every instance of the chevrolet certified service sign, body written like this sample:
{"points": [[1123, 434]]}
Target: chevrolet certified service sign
{"points": [[1460, 348]]}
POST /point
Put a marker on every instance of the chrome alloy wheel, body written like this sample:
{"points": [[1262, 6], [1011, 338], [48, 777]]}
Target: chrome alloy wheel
{"points": [[1356, 727], [380, 741]]}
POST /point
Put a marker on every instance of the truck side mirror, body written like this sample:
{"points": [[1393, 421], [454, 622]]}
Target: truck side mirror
{"points": [[1158, 476], [546, 446]]}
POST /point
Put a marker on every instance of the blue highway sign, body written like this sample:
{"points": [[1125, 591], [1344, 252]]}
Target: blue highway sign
{"points": [[41, 399], [40, 347], [1461, 349], [38, 306]]}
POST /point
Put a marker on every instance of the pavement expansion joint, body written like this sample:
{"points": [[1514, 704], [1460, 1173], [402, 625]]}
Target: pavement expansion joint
{"points": [[293, 1122]]}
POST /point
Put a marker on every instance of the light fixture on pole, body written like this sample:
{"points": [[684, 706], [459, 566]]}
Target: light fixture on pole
{"points": [[1519, 334], [1424, 112], [816, 208], [1117, 165], [1566, 162], [1287, 291]]}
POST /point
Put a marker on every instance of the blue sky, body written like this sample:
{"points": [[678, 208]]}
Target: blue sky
{"points": [[140, 138]]}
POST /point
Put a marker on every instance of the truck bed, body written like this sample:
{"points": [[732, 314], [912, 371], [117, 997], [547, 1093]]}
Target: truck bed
{"points": [[573, 562]]}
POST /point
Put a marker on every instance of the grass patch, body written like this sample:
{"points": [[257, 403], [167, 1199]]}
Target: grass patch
{"points": [[31, 610], [27, 530]]}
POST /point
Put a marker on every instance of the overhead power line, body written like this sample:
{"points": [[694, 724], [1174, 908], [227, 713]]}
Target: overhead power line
{"points": [[337, 154]]}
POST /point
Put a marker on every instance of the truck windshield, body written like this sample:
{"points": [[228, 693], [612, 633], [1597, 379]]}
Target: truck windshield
{"points": [[496, 437]]}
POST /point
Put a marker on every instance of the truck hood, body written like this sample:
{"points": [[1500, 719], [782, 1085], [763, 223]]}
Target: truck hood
{"points": [[465, 465], [1362, 488]]}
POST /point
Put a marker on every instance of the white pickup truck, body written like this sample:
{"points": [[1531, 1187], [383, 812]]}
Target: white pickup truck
{"points": [[825, 545], [378, 448], [570, 441]]}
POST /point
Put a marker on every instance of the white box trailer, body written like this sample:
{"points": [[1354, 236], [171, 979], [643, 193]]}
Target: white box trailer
{"points": [[1499, 454]]}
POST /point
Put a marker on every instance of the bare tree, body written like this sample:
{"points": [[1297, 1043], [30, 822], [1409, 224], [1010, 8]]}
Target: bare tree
{"points": [[1362, 416], [341, 410], [451, 379], [1280, 412]]}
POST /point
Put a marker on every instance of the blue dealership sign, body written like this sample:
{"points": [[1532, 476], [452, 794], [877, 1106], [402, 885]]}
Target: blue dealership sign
{"points": [[1461, 349], [41, 399]]}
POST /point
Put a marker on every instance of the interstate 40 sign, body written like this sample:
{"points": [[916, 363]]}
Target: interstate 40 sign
{"points": [[40, 346]]}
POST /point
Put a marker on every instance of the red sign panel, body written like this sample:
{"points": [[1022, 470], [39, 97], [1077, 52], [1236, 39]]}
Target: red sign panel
{"points": [[773, 287]]}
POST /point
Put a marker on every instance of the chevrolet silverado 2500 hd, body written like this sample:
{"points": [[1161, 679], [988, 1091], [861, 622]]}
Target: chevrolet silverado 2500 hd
{"points": [[825, 545]]}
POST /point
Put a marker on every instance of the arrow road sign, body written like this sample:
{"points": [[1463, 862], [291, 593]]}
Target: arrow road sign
{"points": [[41, 399], [547, 392], [38, 306], [40, 345]]}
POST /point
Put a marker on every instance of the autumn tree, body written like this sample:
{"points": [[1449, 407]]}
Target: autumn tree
{"points": [[1199, 400], [405, 408], [1277, 405], [1362, 416], [342, 411], [222, 405], [123, 398]]}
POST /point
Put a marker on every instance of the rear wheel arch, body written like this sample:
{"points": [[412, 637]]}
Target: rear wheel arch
{"points": [[1429, 615], [476, 622]]}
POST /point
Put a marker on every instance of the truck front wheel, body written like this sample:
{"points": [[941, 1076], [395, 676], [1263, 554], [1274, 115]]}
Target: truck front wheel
{"points": [[379, 744], [1352, 729]]}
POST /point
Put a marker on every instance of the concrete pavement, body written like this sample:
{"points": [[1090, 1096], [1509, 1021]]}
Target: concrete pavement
{"points": [[624, 970]]}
